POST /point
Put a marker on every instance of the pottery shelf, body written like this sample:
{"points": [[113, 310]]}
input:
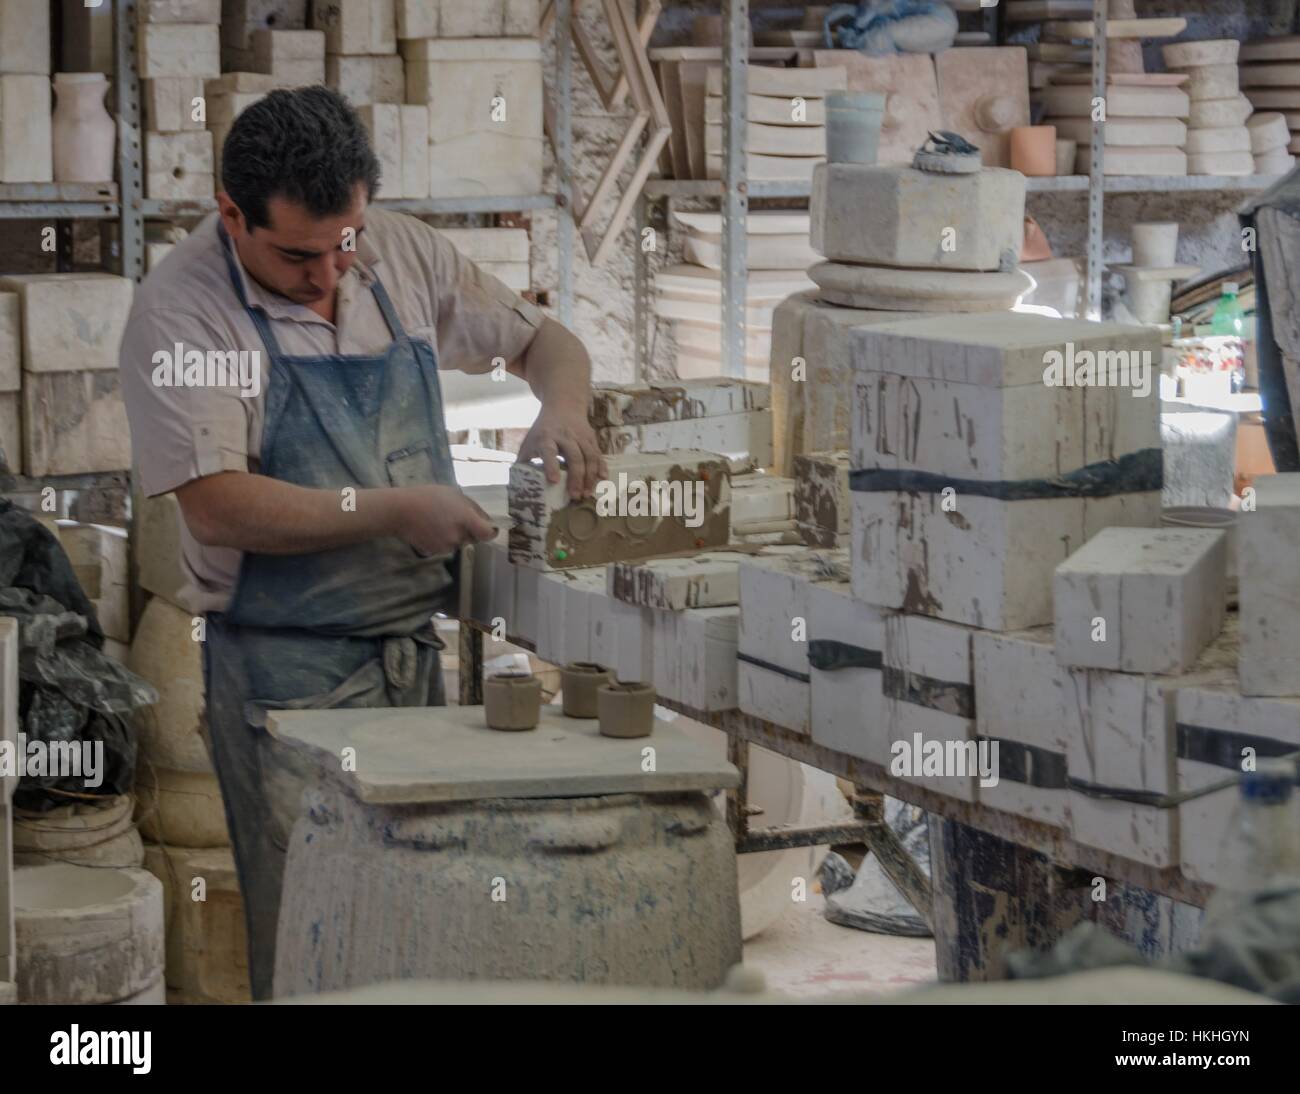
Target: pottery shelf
{"points": [[61, 200], [744, 729]]}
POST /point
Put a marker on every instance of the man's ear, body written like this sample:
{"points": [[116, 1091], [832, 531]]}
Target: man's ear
{"points": [[231, 216]]}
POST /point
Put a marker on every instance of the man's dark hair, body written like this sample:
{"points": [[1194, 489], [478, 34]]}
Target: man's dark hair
{"points": [[307, 146]]}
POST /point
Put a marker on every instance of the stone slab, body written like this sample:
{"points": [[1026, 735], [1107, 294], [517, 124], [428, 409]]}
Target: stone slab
{"points": [[1270, 593], [71, 321], [898, 216], [1159, 593], [179, 166], [74, 422], [178, 49], [26, 136], [446, 754]]}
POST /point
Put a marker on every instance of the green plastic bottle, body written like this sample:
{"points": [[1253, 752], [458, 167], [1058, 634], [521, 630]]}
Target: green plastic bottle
{"points": [[1228, 323]]}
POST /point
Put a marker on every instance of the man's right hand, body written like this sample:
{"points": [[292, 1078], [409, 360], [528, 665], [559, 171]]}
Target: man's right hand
{"points": [[436, 520]]}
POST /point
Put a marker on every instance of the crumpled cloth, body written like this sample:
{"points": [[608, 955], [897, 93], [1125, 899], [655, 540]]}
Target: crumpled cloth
{"points": [[69, 690], [881, 27]]}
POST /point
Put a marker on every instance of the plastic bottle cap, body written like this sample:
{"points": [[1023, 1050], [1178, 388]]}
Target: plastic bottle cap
{"points": [[1271, 783], [1230, 287]]}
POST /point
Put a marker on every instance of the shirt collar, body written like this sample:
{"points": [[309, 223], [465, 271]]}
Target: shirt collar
{"points": [[281, 307]]}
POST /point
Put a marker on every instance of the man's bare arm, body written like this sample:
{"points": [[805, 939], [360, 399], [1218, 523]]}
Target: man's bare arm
{"points": [[264, 515]]}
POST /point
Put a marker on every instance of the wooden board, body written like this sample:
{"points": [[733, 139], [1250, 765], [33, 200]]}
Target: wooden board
{"points": [[1116, 28]]}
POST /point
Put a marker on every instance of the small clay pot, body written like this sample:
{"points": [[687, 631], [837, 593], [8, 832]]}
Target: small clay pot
{"points": [[512, 701], [1066, 153], [578, 683], [626, 709], [1033, 149]]}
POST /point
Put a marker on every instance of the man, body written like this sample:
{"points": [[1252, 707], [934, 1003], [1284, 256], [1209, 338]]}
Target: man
{"points": [[313, 471]]}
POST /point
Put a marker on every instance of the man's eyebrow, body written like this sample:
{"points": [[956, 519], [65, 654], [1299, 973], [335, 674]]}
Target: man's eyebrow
{"points": [[295, 252]]}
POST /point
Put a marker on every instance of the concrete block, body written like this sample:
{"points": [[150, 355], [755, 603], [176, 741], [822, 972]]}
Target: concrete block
{"points": [[25, 37], [296, 58], [1218, 731], [74, 422], [415, 151], [485, 116], [239, 18], [11, 432], [170, 106], [26, 136], [98, 554], [929, 686], [846, 643], [11, 330], [1027, 703], [1270, 592], [179, 166], [822, 502], [207, 947], [1143, 600], [695, 657], [366, 79], [71, 322], [383, 122], [356, 26], [178, 49], [655, 503], [178, 11], [898, 216]]}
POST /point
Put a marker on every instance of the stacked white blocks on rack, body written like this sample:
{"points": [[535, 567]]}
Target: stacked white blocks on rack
{"points": [[178, 48], [228, 96], [690, 294], [1145, 131], [779, 143], [1270, 78], [26, 139], [1218, 142], [69, 327], [501, 252]]}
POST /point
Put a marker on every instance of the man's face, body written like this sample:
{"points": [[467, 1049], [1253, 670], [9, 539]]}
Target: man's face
{"points": [[297, 255]]}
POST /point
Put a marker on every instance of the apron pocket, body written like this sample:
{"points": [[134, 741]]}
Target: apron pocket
{"points": [[412, 465]]}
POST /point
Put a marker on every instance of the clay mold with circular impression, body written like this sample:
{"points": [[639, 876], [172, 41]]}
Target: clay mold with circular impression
{"points": [[626, 709], [512, 701], [579, 681]]}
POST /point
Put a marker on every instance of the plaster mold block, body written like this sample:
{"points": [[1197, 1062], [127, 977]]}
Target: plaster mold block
{"points": [[689, 489], [1215, 113], [708, 580], [695, 657], [11, 434], [169, 103], [11, 352], [846, 642], [1206, 51], [356, 26], [178, 11], [1270, 593], [898, 216], [74, 422], [294, 58], [363, 80], [1124, 132], [1026, 704], [164, 652], [415, 158], [179, 166], [180, 808], [86, 935], [1165, 160], [178, 49], [1124, 101], [25, 37], [979, 558], [383, 122], [983, 93], [157, 543], [911, 90], [1234, 138], [1268, 132], [466, 84], [99, 559], [1160, 594], [823, 504], [26, 133]]}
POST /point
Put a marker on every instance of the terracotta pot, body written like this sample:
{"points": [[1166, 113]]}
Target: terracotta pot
{"points": [[626, 709], [578, 683], [1065, 155], [1033, 150], [512, 701], [84, 132]]}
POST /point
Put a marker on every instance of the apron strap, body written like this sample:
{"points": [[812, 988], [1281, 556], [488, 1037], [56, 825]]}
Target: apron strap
{"points": [[260, 320]]}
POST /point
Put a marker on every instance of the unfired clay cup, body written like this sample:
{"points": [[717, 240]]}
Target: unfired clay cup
{"points": [[512, 701], [579, 681], [626, 709]]}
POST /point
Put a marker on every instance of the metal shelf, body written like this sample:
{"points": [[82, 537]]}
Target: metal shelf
{"points": [[58, 200], [713, 188], [1153, 184]]}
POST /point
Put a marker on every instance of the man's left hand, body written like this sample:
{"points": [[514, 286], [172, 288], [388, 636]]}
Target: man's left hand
{"points": [[569, 435]]}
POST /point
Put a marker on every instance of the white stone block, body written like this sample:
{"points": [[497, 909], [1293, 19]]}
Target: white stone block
{"points": [[74, 422], [522, 621], [846, 643], [1269, 589], [587, 632], [963, 401], [71, 321], [708, 580], [11, 432], [11, 353], [98, 554], [1141, 599], [178, 49], [296, 58], [898, 216], [178, 11], [549, 639], [485, 116], [366, 79], [356, 26], [170, 103], [1027, 703], [179, 166], [493, 245], [744, 439], [239, 18], [26, 136], [415, 151], [417, 18], [1218, 730], [25, 37], [760, 499], [695, 657], [929, 688], [774, 697], [383, 122], [634, 646]]}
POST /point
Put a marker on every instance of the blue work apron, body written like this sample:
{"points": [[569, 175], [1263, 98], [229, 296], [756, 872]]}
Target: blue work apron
{"points": [[345, 627]]}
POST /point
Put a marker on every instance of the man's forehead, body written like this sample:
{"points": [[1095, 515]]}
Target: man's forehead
{"points": [[290, 224]]}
